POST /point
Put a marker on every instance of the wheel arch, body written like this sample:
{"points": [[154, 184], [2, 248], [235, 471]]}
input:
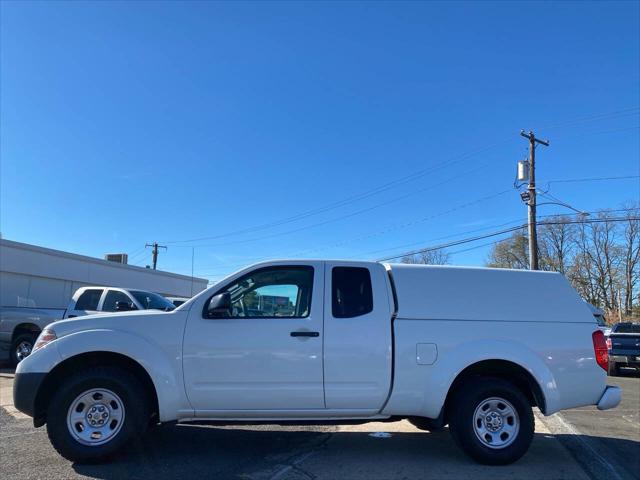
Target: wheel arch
{"points": [[85, 360], [25, 328], [507, 370]]}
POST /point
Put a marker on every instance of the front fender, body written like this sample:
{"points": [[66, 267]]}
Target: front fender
{"points": [[164, 365]]}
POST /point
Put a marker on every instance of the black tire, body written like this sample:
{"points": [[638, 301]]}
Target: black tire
{"points": [[468, 398], [124, 385], [614, 369], [427, 424], [23, 339]]}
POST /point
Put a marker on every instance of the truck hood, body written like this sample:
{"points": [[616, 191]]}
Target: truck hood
{"points": [[108, 321]]}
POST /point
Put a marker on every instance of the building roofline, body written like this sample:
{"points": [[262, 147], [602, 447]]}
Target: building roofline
{"points": [[98, 261]]}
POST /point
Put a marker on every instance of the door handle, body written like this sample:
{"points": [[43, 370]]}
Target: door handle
{"points": [[305, 334]]}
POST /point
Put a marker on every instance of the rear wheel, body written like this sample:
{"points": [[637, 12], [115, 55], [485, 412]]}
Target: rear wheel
{"points": [[21, 347], [614, 369], [95, 413], [491, 420]]}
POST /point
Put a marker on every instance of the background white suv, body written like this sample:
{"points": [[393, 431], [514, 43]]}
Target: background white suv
{"points": [[91, 300]]}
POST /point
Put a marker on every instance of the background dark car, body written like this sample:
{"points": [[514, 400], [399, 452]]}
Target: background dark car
{"points": [[624, 347]]}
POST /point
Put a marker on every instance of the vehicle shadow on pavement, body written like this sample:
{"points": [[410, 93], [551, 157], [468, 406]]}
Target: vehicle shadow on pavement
{"points": [[272, 452]]}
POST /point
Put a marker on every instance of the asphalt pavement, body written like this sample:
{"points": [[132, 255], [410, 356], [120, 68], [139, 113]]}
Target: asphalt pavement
{"points": [[371, 451], [606, 443]]}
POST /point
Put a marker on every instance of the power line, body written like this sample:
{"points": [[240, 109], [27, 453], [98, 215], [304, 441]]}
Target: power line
{"points": [[474, 248], [342, 217], [142, 260], [395, 183], [222, 269], [594, 117], [457, 242], [136, 251], [507, 230], [407, 224], [413, 176], [380, 250], [208, 272], [138, 256], [600, 132], [475, 230], [592, 179]]}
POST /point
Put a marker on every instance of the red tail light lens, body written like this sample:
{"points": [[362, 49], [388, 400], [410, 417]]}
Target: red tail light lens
{"points": [[600, 349]]}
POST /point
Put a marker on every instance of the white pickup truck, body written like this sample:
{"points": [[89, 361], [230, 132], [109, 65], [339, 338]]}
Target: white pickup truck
{"points": [[324, 341]]}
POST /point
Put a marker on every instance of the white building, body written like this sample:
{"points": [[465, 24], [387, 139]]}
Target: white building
{"points": [[32, 276]]}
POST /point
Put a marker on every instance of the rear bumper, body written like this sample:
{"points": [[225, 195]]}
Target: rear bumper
{"points": [[25, 389], [631, 360], [610, 398]]}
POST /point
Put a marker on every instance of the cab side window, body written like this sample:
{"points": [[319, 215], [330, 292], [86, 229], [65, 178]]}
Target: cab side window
{"points": [[272, 292], [352, 294], [88, 300]]}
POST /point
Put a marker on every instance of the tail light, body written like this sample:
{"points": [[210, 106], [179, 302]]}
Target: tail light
{"points": [[600, 349], [608, 343]]}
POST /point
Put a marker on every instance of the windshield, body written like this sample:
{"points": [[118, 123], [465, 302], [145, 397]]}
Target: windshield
{"points": [[627, 328], [152, 301]]}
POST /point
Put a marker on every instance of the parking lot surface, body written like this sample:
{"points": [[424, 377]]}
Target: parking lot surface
{"points": [[371, 451], [606, 443]]}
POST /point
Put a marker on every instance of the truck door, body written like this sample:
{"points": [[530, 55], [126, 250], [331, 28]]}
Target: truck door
{"points": [[357, 335], [265, 353]]}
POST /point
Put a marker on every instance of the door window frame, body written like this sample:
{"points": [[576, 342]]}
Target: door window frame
{"points": [[253, 272]]}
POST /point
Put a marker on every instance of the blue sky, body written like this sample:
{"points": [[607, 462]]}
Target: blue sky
{"points": [[124, 123]]}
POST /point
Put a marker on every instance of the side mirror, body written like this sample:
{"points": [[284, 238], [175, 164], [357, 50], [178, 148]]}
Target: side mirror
{"points": [[219, 305], [123, 306]]}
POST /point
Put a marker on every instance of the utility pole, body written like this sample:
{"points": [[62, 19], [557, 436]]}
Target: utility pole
{"points": [[155, 252], [533, 233]]}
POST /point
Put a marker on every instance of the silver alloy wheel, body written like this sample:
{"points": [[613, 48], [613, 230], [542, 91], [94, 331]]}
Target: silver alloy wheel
{"points": [[95, 417], [23, 350], [496, 423]]}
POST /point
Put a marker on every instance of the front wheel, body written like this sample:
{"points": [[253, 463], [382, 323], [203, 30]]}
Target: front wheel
{"points": [[492, 421], [95, 413], [21, 347]]}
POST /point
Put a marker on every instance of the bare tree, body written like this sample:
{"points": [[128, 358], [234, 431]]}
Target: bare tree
{"points": [[601, 259], [604, 254], [432, 257], [631, 258], [582, 273], [555, 245], [510, 253]]}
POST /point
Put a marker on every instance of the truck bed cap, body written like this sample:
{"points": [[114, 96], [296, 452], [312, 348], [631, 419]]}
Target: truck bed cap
{"points": [[468, 293]]}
